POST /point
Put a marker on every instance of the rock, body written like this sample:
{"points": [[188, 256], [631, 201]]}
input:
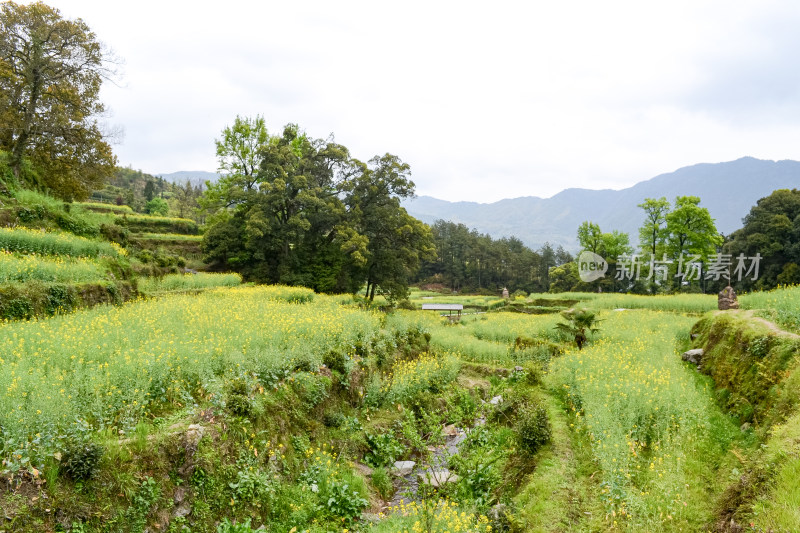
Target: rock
{"points": [[693, 356], [519, 369], [693, 336], [193, 435], [727, 299], [496, 400], [403, 468], [437, 478], [498, 518], [180, 495], [191, 439], [364, 469], [371, 518], [450, 430], [182, 511]]}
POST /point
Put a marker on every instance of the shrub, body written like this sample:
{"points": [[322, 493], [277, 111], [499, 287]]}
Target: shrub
{"points": [[226, 526], [533, 429], [80, 460], [382, 482], [533, 373], [384, 449], [238, 398], [333, 419], [336, 360], [344, 502]]}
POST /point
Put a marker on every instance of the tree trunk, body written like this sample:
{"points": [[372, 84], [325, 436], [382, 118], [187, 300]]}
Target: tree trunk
{"points": [[18, 152]]}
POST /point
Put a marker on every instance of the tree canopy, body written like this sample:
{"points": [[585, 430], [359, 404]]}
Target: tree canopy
{"points": [[297, 210], [468, 260], [51, 70], [772, 231]]}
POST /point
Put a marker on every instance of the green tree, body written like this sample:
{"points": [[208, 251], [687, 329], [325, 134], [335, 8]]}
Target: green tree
{"points": [[311, 215], [590, 237], [51, 70], [157, 206], [691, 230], [653, 233], [185, 197], [564, 278], [771, 230], [238, 151], [610, 246], [614, 245], [396, 241]]}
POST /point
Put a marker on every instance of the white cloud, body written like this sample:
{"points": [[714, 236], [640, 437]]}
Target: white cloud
{"points": [[485, 101]]}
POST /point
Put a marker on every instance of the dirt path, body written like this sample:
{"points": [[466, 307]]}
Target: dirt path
{"points": [[774, 328]]}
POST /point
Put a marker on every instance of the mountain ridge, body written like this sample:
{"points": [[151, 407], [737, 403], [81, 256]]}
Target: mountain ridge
{"points": [[728, 189]]}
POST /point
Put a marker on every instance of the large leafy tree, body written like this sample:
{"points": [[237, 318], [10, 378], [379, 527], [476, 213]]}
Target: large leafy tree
{"points": [[771, 230], [51, 70], [590, 237], [611, 246], [285, 219], [396, 241], [653, 233], [309, 214], [691, 231]]}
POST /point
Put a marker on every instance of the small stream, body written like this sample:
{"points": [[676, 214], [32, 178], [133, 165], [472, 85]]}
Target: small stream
{"points": [[408, 475]]}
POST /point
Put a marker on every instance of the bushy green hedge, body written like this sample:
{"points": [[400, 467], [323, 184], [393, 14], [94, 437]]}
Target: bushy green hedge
{"points": [[106, 208], [25, 301], [148, 224]]}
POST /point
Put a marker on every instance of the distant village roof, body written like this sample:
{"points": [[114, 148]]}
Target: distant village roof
{"points": [[442, 307]]}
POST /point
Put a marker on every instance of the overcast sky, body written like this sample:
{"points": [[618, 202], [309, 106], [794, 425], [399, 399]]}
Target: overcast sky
{"points": [[484, 100]]}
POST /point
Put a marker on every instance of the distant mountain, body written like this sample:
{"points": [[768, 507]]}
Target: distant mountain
{"points": [[728, 190], [192, 175]]}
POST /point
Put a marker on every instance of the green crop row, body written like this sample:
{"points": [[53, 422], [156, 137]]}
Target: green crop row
{"points": [[15, 268], [30, 241], [178, 282]]}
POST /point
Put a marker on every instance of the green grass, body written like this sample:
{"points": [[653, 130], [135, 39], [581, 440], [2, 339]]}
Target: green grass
{"points": [[418, 298], [153, 224], [110, 208], [779, 508], [15, 268], [29, 241], [30, 198], [781, 305], [678, 303], [179, 282], [168, 237]]}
